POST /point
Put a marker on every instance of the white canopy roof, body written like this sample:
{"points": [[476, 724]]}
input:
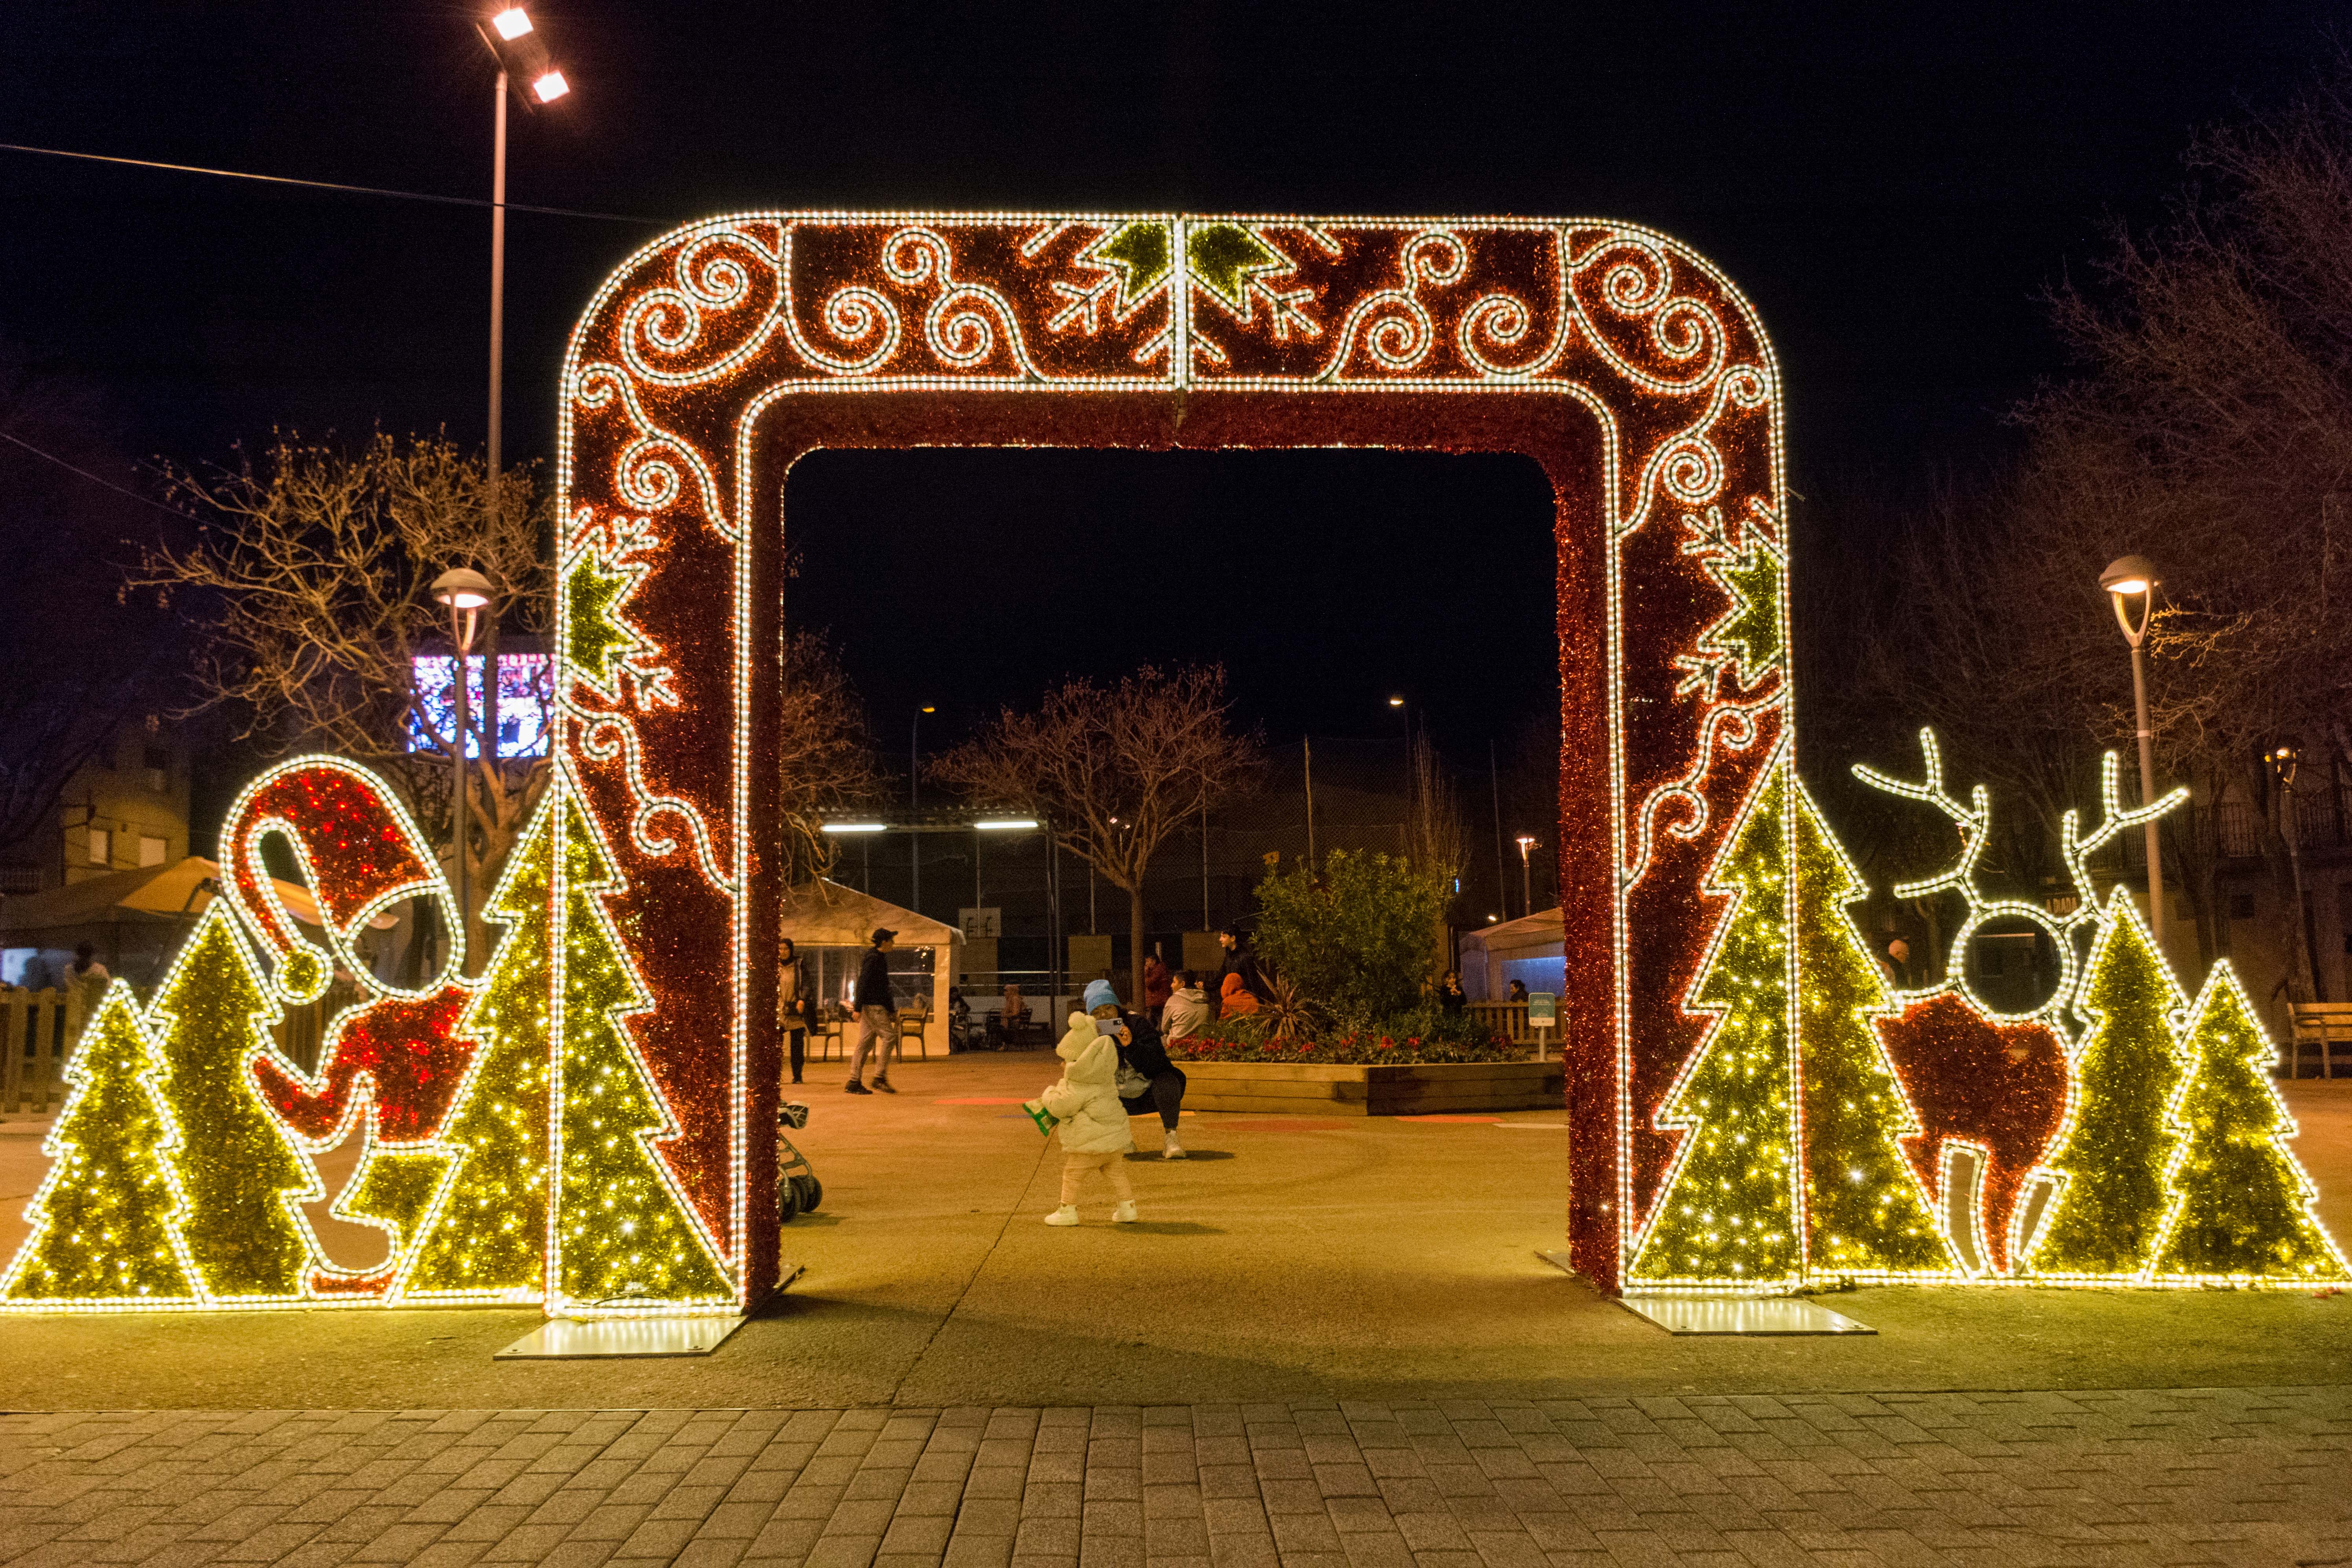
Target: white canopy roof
{"points": [[824, 913]]}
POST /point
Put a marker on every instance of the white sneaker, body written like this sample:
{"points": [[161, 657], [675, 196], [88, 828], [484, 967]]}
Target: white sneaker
{"points": [[1124, 1213], [1169, 1149], [1067, 1215]]}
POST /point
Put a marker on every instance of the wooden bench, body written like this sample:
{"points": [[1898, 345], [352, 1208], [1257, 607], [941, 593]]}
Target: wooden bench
{"points": [[2322, 1032]]}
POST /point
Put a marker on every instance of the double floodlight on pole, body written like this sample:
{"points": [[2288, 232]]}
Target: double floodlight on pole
{"points": [[522, 52], [2127, 578], [466, 594]]}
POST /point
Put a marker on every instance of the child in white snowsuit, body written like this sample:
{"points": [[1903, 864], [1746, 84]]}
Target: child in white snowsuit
{"points": [[1093, 1123]]}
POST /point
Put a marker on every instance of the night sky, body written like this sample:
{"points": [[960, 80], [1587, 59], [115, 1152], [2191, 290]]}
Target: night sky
{"points": [[1892, 190]]}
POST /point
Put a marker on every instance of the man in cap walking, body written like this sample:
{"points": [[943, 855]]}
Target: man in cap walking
{"points": [[878, 1017]]}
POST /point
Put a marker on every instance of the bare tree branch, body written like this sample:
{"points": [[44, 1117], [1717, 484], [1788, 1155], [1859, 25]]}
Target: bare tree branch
{"points": [[311, 585], [1115, 769]]}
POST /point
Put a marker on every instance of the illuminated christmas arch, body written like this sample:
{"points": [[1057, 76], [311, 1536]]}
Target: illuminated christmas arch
{"points": [[1630, 369], [586, 1123]]}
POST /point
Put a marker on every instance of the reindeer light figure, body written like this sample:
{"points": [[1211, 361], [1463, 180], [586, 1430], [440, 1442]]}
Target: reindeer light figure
{"points": [[1974, 822]]}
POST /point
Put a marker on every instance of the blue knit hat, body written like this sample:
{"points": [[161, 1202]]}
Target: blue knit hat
{"points": [[1100, 995]]}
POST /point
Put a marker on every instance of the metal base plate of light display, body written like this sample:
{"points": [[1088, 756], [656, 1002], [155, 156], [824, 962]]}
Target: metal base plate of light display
{"points": [[576, 1338], [1687, 1315], [1741, 1315], [572, 1339]]}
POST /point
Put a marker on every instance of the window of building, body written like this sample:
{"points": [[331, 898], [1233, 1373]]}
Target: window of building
{"points": [[101, 846], [158, 763], [151, 850]]}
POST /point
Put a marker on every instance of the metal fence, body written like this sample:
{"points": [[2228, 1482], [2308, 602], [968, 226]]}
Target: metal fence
{"points": [[37, 1030]]}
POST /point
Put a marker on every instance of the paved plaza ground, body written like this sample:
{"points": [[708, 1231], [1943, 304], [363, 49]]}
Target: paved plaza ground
{"points": [[1330, 1342]]}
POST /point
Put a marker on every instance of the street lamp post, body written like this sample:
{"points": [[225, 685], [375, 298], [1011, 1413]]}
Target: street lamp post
{"points": [[2134, 577], [1404, 834], [2283, 761], [467, 593], [914, 802], [516, 46], [1527, 883]]}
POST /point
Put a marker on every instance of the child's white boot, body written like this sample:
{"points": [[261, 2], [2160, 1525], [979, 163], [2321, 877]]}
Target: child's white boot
{"points": [[1169, 1149], [1124, 1213], [1067, 1215]]}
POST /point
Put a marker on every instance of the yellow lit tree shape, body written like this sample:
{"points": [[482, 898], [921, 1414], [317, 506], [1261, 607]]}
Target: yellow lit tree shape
{"points": [[104, 1223], [240, 1173], [485, 1235], [598, 637], [2112, 1150], [623, 1230], [1728, 1212], [1865, 1211], [2242, 1205]]}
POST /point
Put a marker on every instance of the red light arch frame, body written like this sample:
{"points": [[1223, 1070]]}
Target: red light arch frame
{"points": [[1625, 364]]}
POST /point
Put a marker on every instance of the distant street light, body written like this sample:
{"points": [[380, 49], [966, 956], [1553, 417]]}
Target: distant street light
{"points": [[467, 593], [2134, 577], [1527, 894], [2283, 761], [1404, 833], [913, 802]]}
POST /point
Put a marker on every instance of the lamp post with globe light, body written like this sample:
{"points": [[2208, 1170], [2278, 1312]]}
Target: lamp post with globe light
{"points": [[1527, 883], [467, 593], [2134, 577]]}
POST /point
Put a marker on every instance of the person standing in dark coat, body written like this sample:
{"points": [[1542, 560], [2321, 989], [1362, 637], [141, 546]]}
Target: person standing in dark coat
{"points": [[793, 1002], [877, 1015], [1141, 1052], [1450, 995]]}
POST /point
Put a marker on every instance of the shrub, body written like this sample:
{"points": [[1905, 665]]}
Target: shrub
{"points": [[1374, 1046], [1424, 1034], [1357, 937]]}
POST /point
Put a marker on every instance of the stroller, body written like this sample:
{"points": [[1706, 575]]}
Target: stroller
{"points": [[798, 1191]]}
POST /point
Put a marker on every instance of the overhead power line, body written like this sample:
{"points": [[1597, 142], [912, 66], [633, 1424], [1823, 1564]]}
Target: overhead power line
{"points": [[93, 479], [326, 184]]}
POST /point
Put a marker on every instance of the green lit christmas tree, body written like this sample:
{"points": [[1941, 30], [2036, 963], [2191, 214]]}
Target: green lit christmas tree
{"points": [[2112, 1153], [623, 1230], [2242, 1205], [102, 1222], [240, 1174], [485, 1235], [1865, 1211], [1729, 1212]]}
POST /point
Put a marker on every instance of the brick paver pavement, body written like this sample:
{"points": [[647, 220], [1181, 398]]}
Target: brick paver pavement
{"points": [[2223, 1476]]}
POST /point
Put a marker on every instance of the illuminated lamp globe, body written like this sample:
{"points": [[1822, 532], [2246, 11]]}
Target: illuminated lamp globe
{"points": [[2129, 574], [550, 87], [463, 588], [511, 22]]}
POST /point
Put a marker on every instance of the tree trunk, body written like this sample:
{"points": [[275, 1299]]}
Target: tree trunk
{"points": [[1135, 946]]}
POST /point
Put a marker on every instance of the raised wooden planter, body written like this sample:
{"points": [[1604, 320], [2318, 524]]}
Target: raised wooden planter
{"points": [[1318, 1090]]}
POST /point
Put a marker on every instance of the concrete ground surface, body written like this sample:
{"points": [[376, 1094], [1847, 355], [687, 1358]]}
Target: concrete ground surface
{"points": [[1329, 1344], [2126, 1479], [1290, 1259]]}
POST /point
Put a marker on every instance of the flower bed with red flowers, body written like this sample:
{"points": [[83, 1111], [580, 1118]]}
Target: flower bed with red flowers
{"points": [[1362, 1048]]}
